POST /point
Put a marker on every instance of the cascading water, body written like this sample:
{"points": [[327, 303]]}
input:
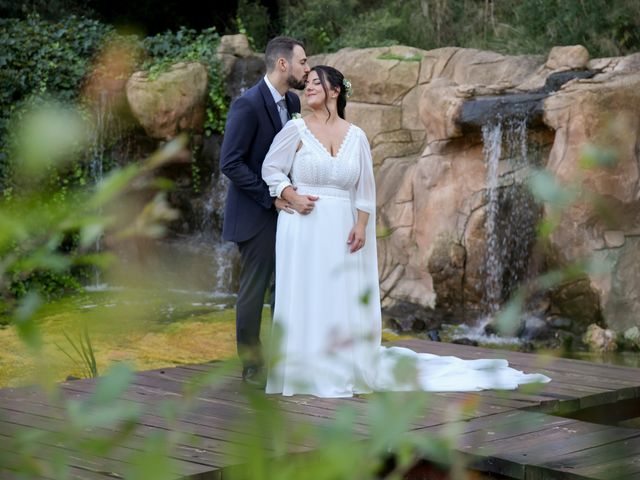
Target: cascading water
{"points": [[209, 234], [110, 145], [492, 140], [103, 124], [511, 213]]}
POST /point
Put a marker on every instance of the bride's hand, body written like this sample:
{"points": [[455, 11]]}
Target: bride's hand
{"points": [[356, 238]]}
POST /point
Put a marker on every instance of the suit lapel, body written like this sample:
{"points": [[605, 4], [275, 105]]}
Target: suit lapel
{"points": [[290, 107], [270, 106]]}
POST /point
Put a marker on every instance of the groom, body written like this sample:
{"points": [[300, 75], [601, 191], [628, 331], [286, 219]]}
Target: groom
{"points": [[250, 213]]}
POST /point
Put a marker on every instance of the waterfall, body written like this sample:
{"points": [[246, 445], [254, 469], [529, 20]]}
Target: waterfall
{"points": [[110, 144], [103, 118], [210, 228], [492, 139], [511, 212], [210, 233]]}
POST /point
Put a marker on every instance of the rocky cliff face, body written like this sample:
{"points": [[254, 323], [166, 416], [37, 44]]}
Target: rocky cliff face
{"points": [[455, 133], [433, 191]]}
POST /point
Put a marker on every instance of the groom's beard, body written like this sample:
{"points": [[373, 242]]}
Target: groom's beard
{"points": [[295, 83]]}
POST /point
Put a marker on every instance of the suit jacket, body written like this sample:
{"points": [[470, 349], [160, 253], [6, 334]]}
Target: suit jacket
{"points": [[252, 123]]}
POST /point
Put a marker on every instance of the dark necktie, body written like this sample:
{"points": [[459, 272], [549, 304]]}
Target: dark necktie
{"points": [[282, 111]]}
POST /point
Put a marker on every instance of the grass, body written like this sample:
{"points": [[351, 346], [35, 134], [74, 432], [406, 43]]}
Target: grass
{"points": [[147, 329]]}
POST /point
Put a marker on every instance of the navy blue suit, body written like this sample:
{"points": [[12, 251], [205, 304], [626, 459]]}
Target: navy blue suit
{"points": [[250, 216]]}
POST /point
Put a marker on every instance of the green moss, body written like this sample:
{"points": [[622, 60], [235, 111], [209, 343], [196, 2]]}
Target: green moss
{"points": [[403, 58]]}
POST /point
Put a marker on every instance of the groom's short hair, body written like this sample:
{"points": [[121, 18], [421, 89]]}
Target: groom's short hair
{"points": [[279, 47]]}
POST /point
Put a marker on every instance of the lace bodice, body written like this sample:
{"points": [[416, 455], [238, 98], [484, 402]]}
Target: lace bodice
{"points": [[312, 165]]}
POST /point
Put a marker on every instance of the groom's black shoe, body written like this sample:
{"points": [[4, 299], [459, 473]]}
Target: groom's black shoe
{"points": [[254, 377]]}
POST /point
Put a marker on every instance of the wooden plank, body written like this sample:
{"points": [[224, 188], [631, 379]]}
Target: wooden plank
{"points": [[533, 450], [13, 468], [211, 451], [183, 466], [90, 465], [494, 455], [499, 432], [486, 406], [508, 427], [222, 418], [216, 454], [152, 425], [624, 468], [600, 460], [432, 415]]}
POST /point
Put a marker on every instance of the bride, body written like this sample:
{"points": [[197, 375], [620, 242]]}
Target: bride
{"points": [[327, 321]]}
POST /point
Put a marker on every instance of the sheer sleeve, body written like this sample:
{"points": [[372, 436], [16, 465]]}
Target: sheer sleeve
{"points": [[365, 196], [277, 163]]}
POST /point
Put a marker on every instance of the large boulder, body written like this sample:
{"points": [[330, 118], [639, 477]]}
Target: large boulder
{"points": [[241, 66], [598, 121], [175, 101], [434, 205], [379, 75], [385, 100], [574, 57]]}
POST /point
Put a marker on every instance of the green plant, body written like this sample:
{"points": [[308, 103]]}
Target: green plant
{"points": [[252, 19], [39, 58], [34, 231], [509, 26], [86, 359], [43, 62]]}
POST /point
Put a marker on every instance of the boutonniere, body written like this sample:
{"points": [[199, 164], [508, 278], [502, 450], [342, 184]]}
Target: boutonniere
{"points": [[295, 116]]}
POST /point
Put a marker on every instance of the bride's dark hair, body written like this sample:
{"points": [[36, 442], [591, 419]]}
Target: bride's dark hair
{"points": [[335, 79]]}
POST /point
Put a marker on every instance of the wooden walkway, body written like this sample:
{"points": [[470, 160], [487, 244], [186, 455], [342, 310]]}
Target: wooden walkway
{"points": [[516, 434]]}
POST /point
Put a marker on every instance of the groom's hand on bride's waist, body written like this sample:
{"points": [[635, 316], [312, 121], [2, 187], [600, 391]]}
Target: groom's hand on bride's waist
{"points": [[282, 205], [303, 204]]}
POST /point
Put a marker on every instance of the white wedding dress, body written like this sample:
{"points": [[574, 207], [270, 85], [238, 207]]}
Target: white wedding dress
{"points": [[327, 323]]}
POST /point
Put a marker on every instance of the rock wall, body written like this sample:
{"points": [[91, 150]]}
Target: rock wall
{"points": [[431, 176]]}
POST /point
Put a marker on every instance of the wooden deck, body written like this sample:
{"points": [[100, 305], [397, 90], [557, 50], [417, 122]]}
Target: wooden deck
{"points": [[515, 434]]}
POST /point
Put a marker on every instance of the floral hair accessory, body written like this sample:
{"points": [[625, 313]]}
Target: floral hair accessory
{"points": [[295, 116], [347, 87]]}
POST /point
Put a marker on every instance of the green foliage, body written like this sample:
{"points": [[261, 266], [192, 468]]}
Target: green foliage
{"points": [[510, 26], [38, 59], [41, 61], [43, 240], [45, 144], [44, 60], [252, 19], [83, 348], [319, 25], [50, 9], [606, 28]]}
